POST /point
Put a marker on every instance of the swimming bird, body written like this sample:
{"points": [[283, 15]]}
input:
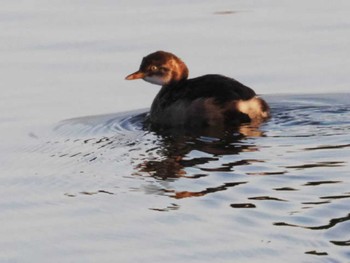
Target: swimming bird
{"points": [[209, 100]]}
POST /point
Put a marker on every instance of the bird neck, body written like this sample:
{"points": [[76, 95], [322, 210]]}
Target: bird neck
{"points": [[179, 70]]}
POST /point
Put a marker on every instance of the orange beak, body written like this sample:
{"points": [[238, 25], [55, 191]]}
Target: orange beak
{"points": [[136, 75]]}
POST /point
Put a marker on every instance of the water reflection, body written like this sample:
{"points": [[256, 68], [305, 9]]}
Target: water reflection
{"points": [[163, 154], [333, 222], [289, 174], [181, 150], [176, 144]]}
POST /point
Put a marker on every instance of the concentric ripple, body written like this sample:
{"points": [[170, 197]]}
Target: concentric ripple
{"points": [[280, 187]]}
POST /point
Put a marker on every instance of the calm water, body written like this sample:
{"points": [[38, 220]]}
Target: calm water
{"points": [[83, 178]]}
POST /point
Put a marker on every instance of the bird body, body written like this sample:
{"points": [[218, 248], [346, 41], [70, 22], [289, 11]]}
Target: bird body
{"points": [[208, 100]]}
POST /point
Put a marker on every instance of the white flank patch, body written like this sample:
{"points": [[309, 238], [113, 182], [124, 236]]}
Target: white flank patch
{"points": [[253, 108]]}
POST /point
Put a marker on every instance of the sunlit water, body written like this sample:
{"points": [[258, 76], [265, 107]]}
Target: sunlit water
{"points": [[107, 188], [103, 186]]}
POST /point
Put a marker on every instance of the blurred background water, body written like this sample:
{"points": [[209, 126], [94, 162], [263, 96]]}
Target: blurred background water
{"points": [[104, 189]]}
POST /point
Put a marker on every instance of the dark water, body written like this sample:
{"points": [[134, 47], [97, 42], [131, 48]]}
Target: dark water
{"points": [[106, 189]]}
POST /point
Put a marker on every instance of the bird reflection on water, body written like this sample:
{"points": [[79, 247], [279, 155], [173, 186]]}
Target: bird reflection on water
{"points": [[289, 174], [176, 144], [289, 144], [181, 150], [165, 154]]}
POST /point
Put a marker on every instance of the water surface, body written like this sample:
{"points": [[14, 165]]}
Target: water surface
{"points": [[84, 180], [98, 187]]}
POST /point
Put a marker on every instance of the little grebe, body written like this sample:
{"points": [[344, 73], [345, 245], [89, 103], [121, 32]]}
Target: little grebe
{"points": [[207, 100]]}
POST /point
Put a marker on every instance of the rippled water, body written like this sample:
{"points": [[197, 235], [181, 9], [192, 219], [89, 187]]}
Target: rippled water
{"points": [[107, 188], [101, 187]]}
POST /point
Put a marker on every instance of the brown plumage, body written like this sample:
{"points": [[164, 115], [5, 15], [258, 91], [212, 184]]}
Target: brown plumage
{"points": [[207, 100]]}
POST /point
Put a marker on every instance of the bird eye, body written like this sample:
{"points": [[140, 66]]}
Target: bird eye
{"points": [[154, 68]]}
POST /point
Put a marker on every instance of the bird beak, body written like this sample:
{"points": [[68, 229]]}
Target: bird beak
{"points": [[136, 75]]}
